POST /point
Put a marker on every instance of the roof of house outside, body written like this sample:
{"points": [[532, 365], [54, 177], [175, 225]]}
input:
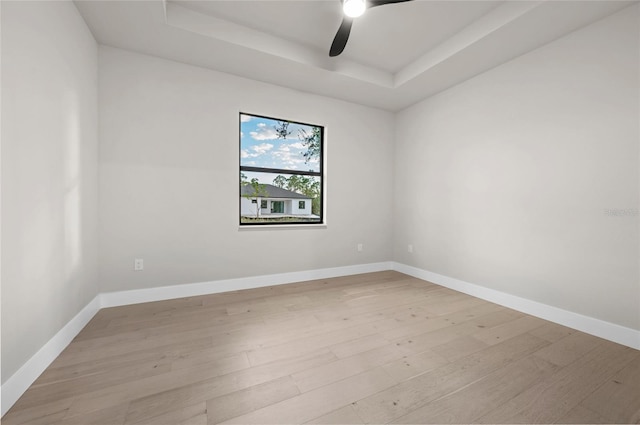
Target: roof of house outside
{"points": [[272, 192]]}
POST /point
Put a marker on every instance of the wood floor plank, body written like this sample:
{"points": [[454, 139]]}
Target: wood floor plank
{"points": [[370, 348], [344, 415], [509, 329], [196, 420], [630, 374], [459, 347], [464, 303], [310, 344], [358, 345], [238, 403], [338, 370], [418, 391], [552, 332], [185, 382], [210, 357], [321, 401], [179, 317], [429, 340], [113, 415], [167, 399], [482, 396], [65, 370], [53, 418], [485, 315], [568, 349], [416, 364], [19, 414], [84, 384], [581, 415], [180, 415], [616, 401], [43, 416], [552, 398]]}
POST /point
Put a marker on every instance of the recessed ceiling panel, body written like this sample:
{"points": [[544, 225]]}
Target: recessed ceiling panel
{"points": [[387, 37]]}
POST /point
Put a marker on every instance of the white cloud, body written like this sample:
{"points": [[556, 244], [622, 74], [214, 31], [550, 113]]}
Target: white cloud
{"points": [[264, 133], [245, 118], [244, 153], [289, 159], [262, 148], [267, 132]]}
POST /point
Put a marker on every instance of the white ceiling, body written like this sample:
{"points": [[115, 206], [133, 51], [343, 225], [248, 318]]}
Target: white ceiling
{"points": [[396, 54]]}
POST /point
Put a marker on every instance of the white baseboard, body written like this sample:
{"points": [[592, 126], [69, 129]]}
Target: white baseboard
{"points": [[18, 383], [600, 328], [136, 296]]}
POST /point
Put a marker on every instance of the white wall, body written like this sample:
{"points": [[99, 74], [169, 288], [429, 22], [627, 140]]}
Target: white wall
{"points": [[49, 174], [295, 206], [169, 177], [504, 180]]}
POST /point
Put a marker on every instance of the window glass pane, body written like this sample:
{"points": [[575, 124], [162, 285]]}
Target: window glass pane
{"points": [[275, 186], [270, 143]]}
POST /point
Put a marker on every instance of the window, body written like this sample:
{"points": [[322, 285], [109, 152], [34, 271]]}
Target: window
{"points": [[277, 207], [281, 166]]}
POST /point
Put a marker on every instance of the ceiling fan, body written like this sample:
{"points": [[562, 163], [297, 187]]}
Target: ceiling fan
{"points": [[352, 9]]}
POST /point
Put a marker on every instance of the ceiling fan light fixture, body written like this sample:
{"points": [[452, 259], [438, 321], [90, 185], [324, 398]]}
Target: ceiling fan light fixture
{"points": [[354, 8]]}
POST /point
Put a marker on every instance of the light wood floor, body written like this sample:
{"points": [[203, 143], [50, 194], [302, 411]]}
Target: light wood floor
{"points": [[373, 348]]}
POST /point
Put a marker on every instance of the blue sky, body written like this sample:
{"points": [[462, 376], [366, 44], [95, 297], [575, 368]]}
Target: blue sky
{"points": [[260, 146]]}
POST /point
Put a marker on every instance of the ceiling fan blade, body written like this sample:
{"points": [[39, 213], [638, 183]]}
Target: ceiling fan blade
{"points": [[374, 3], [340, 40]]}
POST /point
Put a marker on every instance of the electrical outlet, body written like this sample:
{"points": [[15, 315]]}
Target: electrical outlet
{"points": [[360, 247], [138, 264], [410, 248]]}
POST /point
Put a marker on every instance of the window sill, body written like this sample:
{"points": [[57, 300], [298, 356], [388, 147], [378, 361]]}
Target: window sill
{"points": [[251, 227]]}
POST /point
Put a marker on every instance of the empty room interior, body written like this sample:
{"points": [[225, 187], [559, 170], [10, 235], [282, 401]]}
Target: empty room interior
{"points": [[333, 211]]}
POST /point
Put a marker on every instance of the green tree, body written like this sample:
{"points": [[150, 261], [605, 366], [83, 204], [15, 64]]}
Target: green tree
{"points": [[280, 181], [294, 183], [282, 129], [310, 140]]}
